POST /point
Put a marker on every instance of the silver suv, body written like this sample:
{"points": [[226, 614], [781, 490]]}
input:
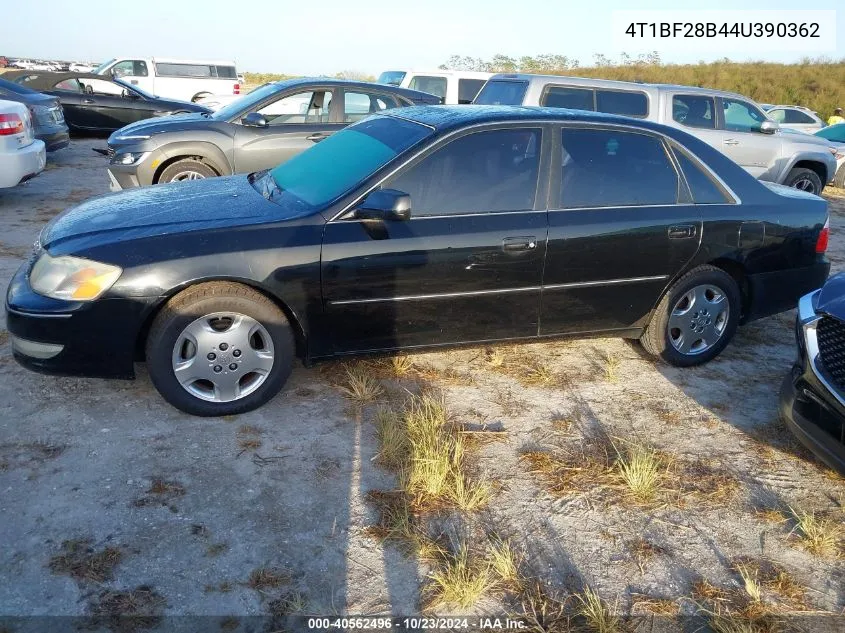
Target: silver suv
{"points": [[731, 123]]}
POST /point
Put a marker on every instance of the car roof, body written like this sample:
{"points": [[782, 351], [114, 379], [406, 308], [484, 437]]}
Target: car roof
{"points": [[332, 81]]}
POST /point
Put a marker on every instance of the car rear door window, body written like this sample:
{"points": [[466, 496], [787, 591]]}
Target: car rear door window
{"points": [[704, 188], [468, 89], [694, 111], [611, 168], [623, 102], [357, 105], [741, 116], [481, 172], [301, 107], [566, 97], [69, 85], [796, 116], [431, 85]]}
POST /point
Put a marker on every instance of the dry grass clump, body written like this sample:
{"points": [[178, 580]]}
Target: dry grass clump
{"points": [[505, 562], [599, 616], [460, 581], [820, 536], [79, 560], [643, 471], [359, 385], [127, 611], [653, 606], [705, 483], [268, 578], [642, 550], [612, 364]]}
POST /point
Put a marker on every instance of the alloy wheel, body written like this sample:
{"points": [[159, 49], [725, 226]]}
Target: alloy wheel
{"points": [[805, 184], [222, 357], [698, 319], [187, 175]]}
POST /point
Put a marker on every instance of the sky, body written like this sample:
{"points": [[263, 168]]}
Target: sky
{"points": [[330, 36]]}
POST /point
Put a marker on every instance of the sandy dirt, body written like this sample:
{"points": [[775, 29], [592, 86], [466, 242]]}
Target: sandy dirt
{"points": [[182, 510]]}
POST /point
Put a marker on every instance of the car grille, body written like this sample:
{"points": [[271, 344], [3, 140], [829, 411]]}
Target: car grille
{"points": [[831, 337]]}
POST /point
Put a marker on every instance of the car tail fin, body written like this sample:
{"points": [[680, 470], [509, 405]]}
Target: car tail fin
{"points": [[824, 236]]}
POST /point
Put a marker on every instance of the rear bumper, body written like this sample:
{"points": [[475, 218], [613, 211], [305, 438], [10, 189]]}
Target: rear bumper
{"points": [[774, 292], [22, 163], [55, 140]]}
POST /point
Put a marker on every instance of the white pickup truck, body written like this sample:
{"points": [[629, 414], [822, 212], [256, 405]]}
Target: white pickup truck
{"points": [[183, 79], [453, 86], [22, 156]]}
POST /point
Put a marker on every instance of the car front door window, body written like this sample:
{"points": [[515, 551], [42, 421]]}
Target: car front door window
{"points": [[302, 107], [481, 172], [741, 116]]}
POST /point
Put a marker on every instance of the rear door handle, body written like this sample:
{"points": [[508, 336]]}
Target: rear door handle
{"points": [[730, 141], [681, 231], [316, 138], [516, 244], [87, 101]]}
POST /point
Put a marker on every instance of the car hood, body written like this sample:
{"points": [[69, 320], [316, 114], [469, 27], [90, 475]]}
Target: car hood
{"points": [[158, 125], [179, 207], [831, 299]]}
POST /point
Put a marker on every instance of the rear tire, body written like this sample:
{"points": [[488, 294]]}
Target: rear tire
{"points": [[186, 169], [696, 318], [805, 180], [231, 347]]}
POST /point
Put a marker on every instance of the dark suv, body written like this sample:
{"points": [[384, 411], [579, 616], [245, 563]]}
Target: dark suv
{"points": [[48, 119], [266, 127]]}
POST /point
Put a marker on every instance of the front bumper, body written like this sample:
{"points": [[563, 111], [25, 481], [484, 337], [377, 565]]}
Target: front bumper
{"points": [[96, 338], [810, 403], [22, 164], [138, 174]]}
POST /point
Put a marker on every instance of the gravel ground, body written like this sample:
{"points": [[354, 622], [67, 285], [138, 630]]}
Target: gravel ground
{"points": [[107, 493]]}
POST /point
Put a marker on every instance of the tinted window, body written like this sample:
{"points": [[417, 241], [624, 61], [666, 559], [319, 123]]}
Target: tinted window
{"points": [[302, 107], [796, 116], [483, 172], [431, 85], [562, 97], [468, 89], [69, 85], [335, 165], [226, 72], [778, 115], [607, 168], [694, 111], [622, 102], [833, 133], [183, 70], [502, 92], [704, 189], [741, 116], [357, 105], [391, 77], [130, 68]]}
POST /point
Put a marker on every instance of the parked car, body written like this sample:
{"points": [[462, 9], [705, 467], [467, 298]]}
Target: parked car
{"points": [[418, 227], [4, 61], [182, 79], [835, 134], [47, 116], [77, 67], [22, 156], [266, 127], [729, 122], [796, 117], [452, 86], [812, 398], [93, 103]]}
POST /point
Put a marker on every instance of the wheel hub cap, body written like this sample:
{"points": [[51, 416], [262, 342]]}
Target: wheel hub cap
{"points": [[698, 319], [223, 356]]}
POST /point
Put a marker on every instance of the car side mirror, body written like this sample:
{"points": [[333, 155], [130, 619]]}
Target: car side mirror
{"points": [[254, 119], [385, 204], [769, 127]]}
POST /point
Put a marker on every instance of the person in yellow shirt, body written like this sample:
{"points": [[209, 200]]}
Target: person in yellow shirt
{"points": [[836, 117]]}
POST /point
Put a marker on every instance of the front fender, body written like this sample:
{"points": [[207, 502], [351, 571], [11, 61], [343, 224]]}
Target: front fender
{"points": [[209, 152], [821, 157]]}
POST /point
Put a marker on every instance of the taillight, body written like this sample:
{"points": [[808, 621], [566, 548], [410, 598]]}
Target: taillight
{"points": [[237, 89], [10, 124], [824, 235]]}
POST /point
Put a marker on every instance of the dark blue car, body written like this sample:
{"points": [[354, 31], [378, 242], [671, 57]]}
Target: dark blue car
{"points": [[47, 116]]}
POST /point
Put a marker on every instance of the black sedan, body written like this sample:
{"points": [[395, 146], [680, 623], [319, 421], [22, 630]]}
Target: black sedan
{"points": [[48, 119], [812, 399], [417, 227], [96, 103]]}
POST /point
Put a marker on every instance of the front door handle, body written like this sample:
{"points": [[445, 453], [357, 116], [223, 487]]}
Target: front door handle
{"points": [[87, 101], [730, 141], [681, 231], [516, 244], [316, 138]]}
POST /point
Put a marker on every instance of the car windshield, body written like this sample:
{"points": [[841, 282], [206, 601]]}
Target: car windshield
{"points": [[334, 166], [99, 69], [245, 103], [833, 133], [10, 88], [502, 93], [391, 77]]}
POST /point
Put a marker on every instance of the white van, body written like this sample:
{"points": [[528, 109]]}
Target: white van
{"points": [[453, 86], [184, 79]]}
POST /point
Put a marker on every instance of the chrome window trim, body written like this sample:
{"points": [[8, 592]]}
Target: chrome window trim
{"points": [[476, 293]]}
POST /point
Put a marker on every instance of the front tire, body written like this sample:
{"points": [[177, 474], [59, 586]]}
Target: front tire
{"points": [[219, 348], [186, 169], [805, 180], [696, 319]]}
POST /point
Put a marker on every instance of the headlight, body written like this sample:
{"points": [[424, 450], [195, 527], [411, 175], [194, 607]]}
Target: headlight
{"points": [[131, 137], [127, 158], [72, 278]]}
